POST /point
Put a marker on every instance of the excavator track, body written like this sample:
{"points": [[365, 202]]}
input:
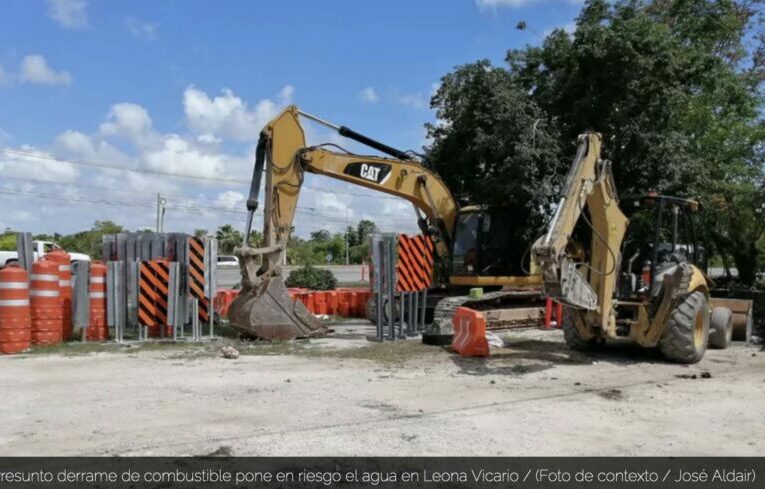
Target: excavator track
{"points": [[503, 309]]}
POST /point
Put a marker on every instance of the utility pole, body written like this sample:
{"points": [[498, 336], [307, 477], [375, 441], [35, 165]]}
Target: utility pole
{"points": [[347, 247], [161, 201]]}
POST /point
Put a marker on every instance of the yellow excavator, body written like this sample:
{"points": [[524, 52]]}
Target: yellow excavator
{"points": [[648, 288], [471, 243]]}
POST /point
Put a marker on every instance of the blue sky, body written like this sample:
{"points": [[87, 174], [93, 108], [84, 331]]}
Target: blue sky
{"points": [[184, 86]]}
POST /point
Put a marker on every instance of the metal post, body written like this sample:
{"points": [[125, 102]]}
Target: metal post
{"points": [[195, 320], [424, 309], [415, 313], [211, 276], [410, 312], [390, 276], [25, 251], [378, 264], [402, 309], [81, 297]]}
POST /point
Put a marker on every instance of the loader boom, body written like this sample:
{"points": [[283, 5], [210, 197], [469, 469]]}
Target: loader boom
{"points": [[587, 286]]}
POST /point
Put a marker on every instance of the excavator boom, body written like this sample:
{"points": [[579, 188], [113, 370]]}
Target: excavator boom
{"points": [[263, 308]]}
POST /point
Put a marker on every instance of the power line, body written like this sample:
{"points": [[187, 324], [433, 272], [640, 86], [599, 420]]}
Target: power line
{"points": [[121, 168], [188, 208], [52, 157]]}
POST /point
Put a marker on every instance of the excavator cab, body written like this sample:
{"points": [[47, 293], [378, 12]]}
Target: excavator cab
{"points": [[483, 243]]}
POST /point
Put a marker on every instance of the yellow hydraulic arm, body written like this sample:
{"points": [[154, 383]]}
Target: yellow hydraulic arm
{"points": [[589, 285], [282, 155]]}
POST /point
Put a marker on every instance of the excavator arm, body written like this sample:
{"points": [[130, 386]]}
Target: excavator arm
{"points": [[283, 158], [585, 285]]}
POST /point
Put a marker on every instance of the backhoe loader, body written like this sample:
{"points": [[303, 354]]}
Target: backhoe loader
{"points": [[648, 288], [470, 243]]}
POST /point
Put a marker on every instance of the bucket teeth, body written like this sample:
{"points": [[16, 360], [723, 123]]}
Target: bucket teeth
{"points": [[270, 313]]}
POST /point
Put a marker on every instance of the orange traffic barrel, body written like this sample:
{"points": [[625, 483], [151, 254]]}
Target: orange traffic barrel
{"points": [[64, 262], [15, 318], [98, 330], [45, 304]]}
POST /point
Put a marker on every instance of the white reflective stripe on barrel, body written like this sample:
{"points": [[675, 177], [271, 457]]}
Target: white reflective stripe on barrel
{"points": [[64, 283], [64, 268], [44, 293], [14, 302], [97, 280], [97, 295], [13, 285], [43, 277]]}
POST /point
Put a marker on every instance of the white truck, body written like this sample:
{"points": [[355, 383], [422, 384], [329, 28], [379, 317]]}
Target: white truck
{"points": [[40, 249]]}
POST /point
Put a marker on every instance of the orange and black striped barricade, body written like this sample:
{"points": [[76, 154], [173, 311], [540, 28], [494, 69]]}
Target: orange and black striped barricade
{"points": [[470, 333], [46, 307], [153, 288], [97, 329], [196, 277], [64, 262], [414, 275], [15, 317]]}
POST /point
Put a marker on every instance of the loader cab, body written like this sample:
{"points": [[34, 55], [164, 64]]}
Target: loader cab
{"points": [[483, 243], [661, 235]]}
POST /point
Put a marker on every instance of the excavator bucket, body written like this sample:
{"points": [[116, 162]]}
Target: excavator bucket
{"points": [[269, 312]]}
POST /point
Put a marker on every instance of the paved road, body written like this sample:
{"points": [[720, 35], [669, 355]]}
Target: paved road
{"points": [[228, 277]]}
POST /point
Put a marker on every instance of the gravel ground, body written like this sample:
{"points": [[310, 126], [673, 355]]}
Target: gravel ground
{"points": [[345, 396]]}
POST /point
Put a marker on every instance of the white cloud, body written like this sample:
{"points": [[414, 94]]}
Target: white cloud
{"points": [[369, 96], [69, 14], [230, 200], [285, 94], [141, 29], [35, 69], [27, 162], [227, 115], [416, 101], [177, 155], [128, 120]]}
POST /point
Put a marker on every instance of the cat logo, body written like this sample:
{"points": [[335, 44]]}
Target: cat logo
{"points": [[373, 172], [369, 172]]}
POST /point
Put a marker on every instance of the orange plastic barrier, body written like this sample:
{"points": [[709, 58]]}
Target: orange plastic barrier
{"points": [[223, 299], [98, 330], [15, 316], [64, 262], [470, 333], [47, 310]]}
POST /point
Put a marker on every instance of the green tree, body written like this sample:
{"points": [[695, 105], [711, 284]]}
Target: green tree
{"points": [[364, 229], [228, 238], [675, 86], [90, 241], [8, 241], [321, 235]]}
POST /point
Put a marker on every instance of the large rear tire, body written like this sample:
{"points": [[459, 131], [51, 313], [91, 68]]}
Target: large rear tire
{"points": [[721, 328], [686, 334], [571, 334]]}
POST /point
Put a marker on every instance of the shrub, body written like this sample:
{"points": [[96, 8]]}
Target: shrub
{"points": [[313, 278]]}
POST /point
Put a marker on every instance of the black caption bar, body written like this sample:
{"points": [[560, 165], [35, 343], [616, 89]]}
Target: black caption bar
{"points": [[383, 472]]}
